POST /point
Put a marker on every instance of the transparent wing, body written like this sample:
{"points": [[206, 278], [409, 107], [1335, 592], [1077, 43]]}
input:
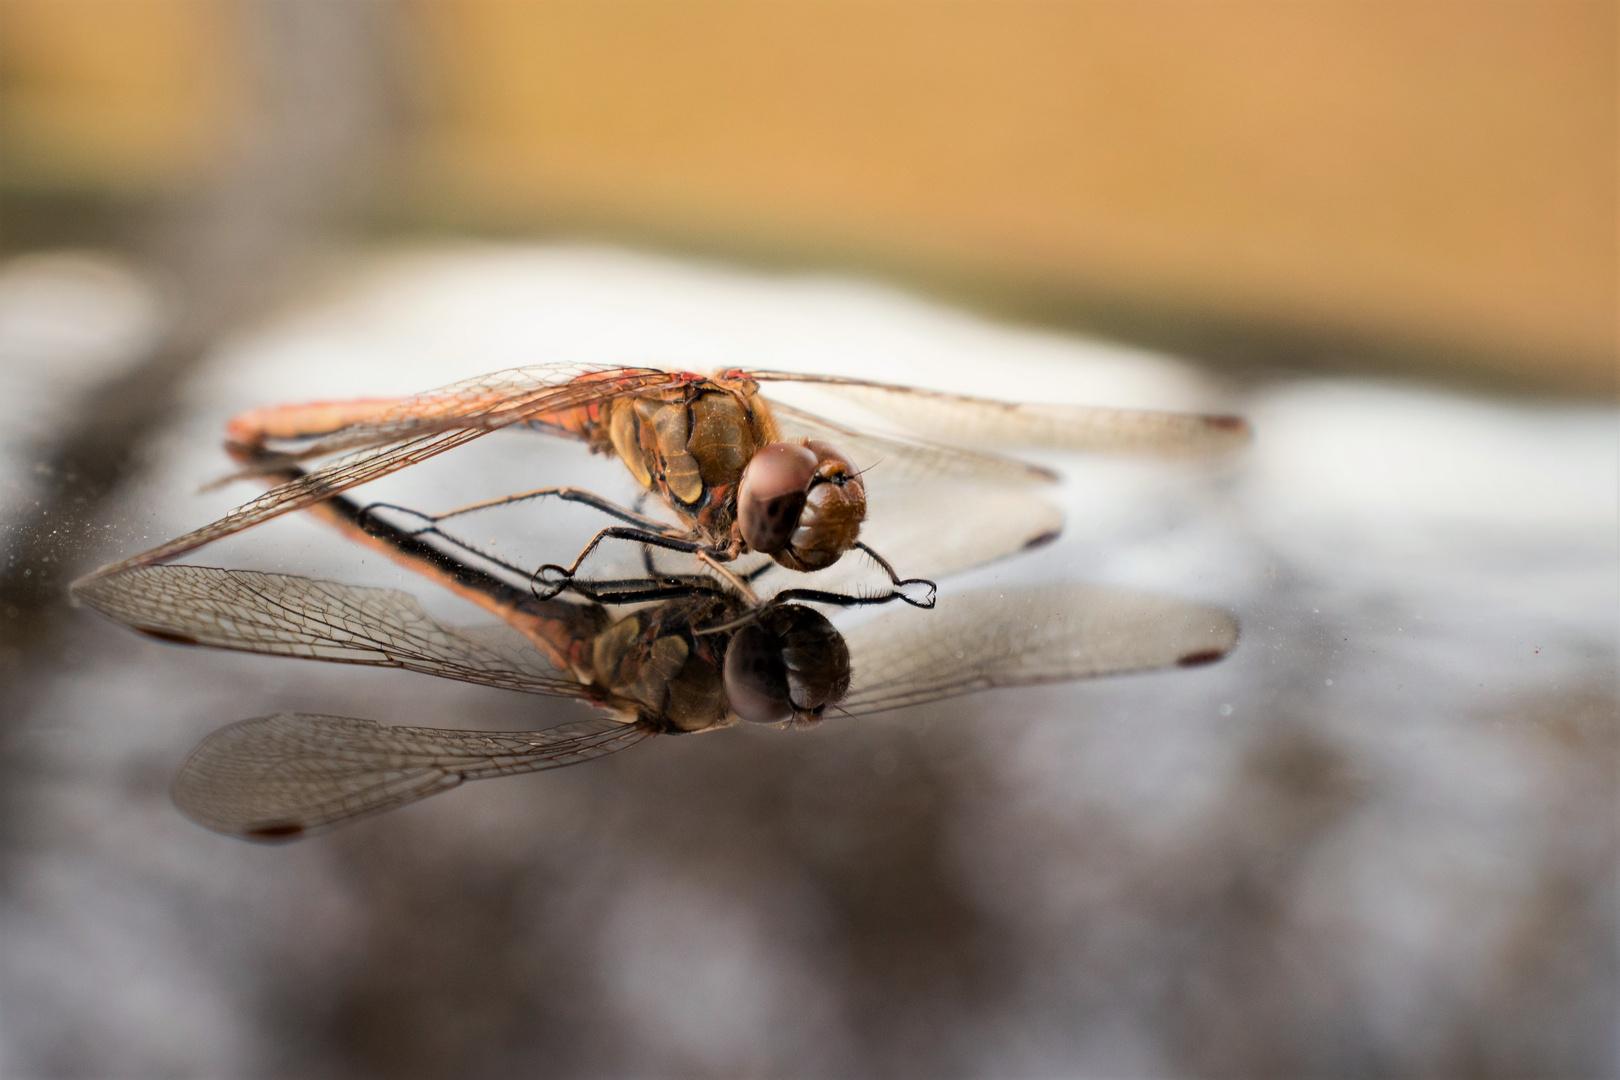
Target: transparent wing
{"points": [[992, 638], [929, 533], [285, 776], [285, 615], [901, 461], [487, 401], [931, 510], [982, 422], [925, 536], [414, 430]]}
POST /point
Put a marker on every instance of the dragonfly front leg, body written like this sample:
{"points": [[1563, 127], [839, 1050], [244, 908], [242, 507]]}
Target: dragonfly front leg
{"points": [[925, 589]]}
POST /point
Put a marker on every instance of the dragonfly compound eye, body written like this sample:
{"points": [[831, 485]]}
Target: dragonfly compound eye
{"points": [[789, 664], [830, 521], [772, 493]]}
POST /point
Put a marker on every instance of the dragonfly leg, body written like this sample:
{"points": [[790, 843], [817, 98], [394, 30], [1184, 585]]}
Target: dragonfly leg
{"points": [[730, 577], [367, 518], [552, 578], [567, 494], [803, 596], [558, 627], [562, 630], [431, 522], [523, 609], [924, 589]]}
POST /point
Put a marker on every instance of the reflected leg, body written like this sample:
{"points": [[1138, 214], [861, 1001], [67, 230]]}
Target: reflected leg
{"points": [[562, 630], [552, 578], [431, 523]]}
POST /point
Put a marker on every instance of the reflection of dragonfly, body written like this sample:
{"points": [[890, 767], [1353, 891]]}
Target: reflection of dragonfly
{"points": [[694, 663], [740, 473]]}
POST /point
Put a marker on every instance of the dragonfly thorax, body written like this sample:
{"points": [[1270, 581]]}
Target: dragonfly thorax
{"points": [[651, 662], [712, 451], [690, 446]]}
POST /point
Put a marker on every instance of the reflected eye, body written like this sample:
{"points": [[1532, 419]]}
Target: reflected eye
{"points": [[789, 664], [756, 678], [772, 493]]}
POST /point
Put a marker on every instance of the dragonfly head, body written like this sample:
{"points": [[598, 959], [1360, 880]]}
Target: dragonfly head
{"points": [[789, 664], [802, 503]]}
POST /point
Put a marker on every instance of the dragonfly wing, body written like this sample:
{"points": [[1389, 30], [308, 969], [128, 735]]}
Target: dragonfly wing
{"points": [[923, 535], [487, 401], [412, 431], [888, 461], [285, 776], [991, 638], [982, 422], [285, 615]]}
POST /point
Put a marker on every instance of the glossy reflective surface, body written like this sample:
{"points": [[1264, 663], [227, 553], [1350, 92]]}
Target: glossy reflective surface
{"points": [[1378, 836]]}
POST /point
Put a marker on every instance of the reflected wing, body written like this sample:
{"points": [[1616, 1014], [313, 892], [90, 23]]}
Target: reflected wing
{"points": [[980, 422], [285, 776], [414, 430], [900, 461], [1021, 637], [284, 615]]}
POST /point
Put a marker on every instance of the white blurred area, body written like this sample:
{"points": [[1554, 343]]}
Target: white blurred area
{"points": [[68, 320], [1380, 837]]}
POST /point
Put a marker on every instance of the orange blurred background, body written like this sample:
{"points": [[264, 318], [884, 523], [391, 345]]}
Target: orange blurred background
{"points": [[1429, 185]]}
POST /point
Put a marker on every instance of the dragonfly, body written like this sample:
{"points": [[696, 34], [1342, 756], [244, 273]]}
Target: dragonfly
{"points": [[739, 472], [698, 658]]}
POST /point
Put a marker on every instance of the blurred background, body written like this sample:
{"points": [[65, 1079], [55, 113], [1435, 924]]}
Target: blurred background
{"points": [[1379, 839]]}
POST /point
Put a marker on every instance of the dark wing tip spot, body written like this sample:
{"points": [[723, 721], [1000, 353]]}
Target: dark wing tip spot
{"points": [[276, 832], [1041, 539], [170, 636], [1200, 657]]}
